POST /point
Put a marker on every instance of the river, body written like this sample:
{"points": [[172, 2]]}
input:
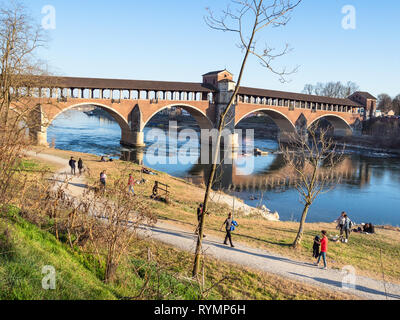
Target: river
{"points": [[368, 190]]}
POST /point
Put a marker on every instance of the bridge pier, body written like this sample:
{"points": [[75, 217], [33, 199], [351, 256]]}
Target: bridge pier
{"points": [[230, 142], [133, 139], [39, 136]]}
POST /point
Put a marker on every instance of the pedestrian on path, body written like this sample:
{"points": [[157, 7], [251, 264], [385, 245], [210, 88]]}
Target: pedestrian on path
{"points": [[80, 166], [347, 225], [72, 164], [324, 249], [229, 227], [103, 179], [131, 183]]}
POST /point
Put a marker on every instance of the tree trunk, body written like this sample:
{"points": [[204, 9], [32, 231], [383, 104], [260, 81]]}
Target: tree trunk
{"points": [[110, 265], [299, 237], [196, 264]]}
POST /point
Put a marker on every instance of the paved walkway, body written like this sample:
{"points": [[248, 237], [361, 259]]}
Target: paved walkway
{"points": [[257, 259]]}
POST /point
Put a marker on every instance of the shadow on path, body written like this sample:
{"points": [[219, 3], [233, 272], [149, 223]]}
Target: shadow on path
{"points": [[191, 236], [358, 288]]}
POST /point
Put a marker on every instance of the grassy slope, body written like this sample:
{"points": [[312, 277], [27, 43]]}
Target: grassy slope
{"points": [[26, 249], [30, 249]]}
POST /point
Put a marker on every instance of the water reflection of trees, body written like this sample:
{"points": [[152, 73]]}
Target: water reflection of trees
{"points": [[353, 170]]}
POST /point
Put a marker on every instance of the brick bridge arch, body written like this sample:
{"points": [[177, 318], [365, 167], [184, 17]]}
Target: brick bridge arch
{"points": [[287, 120], [131, 115], [285, 125], [117, 116], [339, 124], [141, 116]]}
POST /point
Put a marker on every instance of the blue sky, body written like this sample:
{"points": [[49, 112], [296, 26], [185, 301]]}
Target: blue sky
{"points": [[168, 40]]}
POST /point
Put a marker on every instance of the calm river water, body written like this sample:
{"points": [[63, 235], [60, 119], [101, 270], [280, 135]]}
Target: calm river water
{"points": [[369, 188]]}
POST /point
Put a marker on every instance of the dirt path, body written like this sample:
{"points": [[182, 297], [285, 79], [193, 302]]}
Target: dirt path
{"points": [[258, 259]]}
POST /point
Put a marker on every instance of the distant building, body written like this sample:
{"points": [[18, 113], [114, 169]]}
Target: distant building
{"points": [[367, 100], [378, 113], [390, 113], [212, 78]]}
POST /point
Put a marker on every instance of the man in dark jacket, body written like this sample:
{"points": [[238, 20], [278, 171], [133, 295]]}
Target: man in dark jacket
{"points": [[228, 228], [72, 164], [80, 166]]}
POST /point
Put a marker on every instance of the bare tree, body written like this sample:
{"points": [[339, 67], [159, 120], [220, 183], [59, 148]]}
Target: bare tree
{"points": [[331, 89], [116, 218], [385, 102], [20, 37], [309, 155], [396, 104], [245, 19]]}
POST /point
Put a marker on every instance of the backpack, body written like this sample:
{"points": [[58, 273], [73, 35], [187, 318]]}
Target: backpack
{"points": [[234, 224]]}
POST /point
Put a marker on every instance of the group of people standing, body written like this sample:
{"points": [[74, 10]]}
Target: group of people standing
{"points": [[103, 175], [320, 247], [72, 164]]}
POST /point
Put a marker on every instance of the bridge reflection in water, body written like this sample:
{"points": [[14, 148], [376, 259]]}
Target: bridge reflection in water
{"points": [[274, 175]]}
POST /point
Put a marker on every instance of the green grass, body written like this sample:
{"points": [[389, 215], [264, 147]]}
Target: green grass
{"points": [[25, 250], [32, 249]]}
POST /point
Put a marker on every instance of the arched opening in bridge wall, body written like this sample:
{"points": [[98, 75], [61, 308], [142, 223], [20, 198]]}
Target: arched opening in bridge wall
{"points": [[74, 126], [339, 126], [278, 125], [199, 116]]}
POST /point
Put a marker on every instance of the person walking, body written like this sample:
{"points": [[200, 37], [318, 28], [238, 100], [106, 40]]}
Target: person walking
{"points": [[72, 164], [340, 223], [324, 249], [131, 183], [80, 166], [103, 179], [346, 228], [229, 223]]}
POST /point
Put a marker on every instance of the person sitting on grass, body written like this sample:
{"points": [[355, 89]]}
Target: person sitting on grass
{"points": [[324, 249]]}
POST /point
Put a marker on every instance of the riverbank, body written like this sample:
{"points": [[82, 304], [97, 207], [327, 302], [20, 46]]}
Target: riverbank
{"points": [[366, 143], [363, 251]]}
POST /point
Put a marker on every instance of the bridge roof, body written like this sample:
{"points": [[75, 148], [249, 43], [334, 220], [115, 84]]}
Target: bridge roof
{"points": [[117, 84], [366, 95], [296, 96]]}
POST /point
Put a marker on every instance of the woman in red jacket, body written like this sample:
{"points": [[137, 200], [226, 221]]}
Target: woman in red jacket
{"points": [[324, 249]]}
